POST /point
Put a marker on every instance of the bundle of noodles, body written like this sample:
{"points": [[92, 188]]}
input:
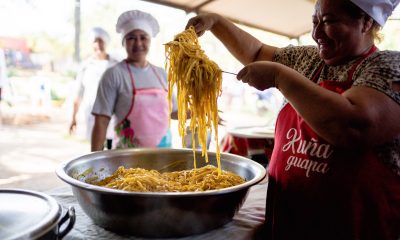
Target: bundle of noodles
{"points": [[198, 81], [194, 180]]}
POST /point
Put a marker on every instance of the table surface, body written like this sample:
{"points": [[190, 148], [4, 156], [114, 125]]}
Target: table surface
{"points": [[266, 132], [243, 226]]}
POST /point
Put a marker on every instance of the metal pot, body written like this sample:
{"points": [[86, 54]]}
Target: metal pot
{"points": [[28, 214], [157, 214]]}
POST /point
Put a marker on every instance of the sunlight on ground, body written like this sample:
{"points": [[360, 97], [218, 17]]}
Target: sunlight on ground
{"points": [[28, 162], [14, 179]]}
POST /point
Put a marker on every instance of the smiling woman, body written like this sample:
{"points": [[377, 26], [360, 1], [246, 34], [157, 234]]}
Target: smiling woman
{"points": [[335, 122], [134, 90], [334, 32]]}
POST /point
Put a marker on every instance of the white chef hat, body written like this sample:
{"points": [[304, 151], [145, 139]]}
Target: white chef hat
{"points": [[135, 19], [98, 32], [379, 10]]}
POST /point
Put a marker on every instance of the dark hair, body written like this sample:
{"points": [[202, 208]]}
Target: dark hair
{"points": [[355, 12]]}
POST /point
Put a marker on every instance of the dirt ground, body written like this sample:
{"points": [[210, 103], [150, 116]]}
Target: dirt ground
{"points": [[33, 144]]}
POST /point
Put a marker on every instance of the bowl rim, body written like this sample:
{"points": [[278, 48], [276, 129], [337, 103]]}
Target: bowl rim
{"points": [[61, 173]]}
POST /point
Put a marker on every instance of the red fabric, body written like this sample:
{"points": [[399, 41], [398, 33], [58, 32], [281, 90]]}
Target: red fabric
{"points": [[235, 145], [243, 146], [319, 191]]}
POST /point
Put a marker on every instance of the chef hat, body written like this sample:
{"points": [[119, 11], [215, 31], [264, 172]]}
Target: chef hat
{"points": [[379, 10], [98, 32], [135, 19]]}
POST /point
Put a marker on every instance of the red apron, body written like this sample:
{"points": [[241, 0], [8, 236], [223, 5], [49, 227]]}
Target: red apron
{"points": [[319, 191]]}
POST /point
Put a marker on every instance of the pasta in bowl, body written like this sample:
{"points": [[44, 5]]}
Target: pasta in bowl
{"points": [[193, 180], [172, 214]]}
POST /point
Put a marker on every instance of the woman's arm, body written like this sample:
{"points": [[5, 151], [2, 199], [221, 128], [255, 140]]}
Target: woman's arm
{"points": [[360, 117], [99, 132], [174, 115], [242, 45], [75, 110]]}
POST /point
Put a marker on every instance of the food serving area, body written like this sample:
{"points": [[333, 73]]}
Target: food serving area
{"points": [[32, 146], [245, 224]]}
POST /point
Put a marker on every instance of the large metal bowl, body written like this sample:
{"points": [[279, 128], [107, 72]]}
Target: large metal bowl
{"points": [[157, 214]]}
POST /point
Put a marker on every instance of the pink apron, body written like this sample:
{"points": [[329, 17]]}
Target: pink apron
{"points": [[146, 124], [318, 191]]}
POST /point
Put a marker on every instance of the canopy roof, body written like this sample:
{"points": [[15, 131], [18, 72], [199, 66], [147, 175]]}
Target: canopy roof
{"points": [[290, 18]]}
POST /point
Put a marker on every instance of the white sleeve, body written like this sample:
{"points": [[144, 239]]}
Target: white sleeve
{"points": [[78, 88]]}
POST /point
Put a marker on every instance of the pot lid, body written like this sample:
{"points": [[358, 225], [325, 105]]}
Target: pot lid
{"points": [[26, 214]]}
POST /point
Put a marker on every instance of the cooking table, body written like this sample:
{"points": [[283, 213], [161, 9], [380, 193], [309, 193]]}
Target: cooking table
{"points": [[255, 142], [242, 227], [256, 132]]}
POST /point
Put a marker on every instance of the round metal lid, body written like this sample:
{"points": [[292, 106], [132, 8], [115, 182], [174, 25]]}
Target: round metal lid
{"points": [[26, 214]]}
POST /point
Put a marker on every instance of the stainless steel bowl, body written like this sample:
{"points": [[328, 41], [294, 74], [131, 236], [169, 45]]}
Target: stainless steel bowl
{"points": [[26, 214], [157, 214]]}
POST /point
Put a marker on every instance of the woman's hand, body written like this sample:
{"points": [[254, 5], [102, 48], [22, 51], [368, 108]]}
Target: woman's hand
{"points": [[261, 75], [72, 126], [202, 22]]}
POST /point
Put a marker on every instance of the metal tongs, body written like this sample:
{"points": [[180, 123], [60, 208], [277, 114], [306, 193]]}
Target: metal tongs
{"points": [[229, 72]]}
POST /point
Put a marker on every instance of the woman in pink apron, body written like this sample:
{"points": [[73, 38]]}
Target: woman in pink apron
{"points": [[134, 91], [335, 167], [146, 124]]}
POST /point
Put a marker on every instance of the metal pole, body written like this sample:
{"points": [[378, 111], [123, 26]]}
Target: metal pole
{"points": [[77, 21]]}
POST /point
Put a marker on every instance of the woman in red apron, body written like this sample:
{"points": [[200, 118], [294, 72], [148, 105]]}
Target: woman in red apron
{"points": [[355, 190], [335, 167]]}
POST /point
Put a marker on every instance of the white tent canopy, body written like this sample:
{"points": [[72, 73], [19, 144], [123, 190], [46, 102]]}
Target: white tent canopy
{"points": [[290, 18]]}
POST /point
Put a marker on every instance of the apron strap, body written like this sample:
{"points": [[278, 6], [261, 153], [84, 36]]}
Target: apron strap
{"points": [[159, 78], [358, 62], [353, 68], [132, 79], [134, 87]]}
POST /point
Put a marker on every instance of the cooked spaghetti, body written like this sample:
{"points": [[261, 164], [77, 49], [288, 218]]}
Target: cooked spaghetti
{"points": [[142, 180], [198, 81]]}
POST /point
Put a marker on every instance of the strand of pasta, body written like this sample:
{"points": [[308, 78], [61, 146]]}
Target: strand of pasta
{"points": [[198, 81]]}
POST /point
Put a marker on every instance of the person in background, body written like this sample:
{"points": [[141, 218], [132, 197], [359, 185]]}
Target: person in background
{"points": [[335, 166], [3, 76], [87, 82], [187, 139], [134, 91]]}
